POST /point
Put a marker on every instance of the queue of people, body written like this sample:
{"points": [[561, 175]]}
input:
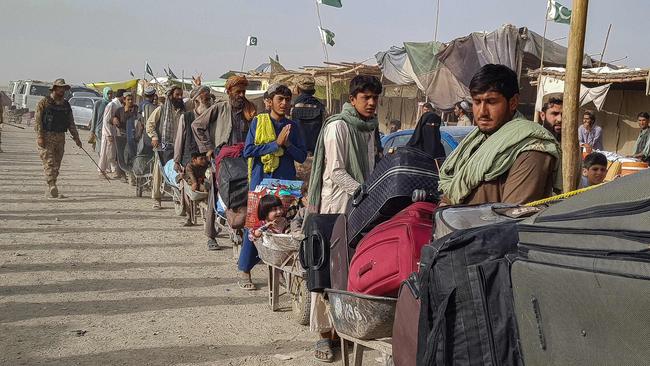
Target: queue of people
{"points": [[506, 158]]}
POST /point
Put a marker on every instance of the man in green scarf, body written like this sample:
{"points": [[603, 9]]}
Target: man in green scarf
{"points": [[507, 158], [343, 158]]}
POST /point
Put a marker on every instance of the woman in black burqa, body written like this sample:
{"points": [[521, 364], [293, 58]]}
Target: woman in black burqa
{"points": [[426, 136]]}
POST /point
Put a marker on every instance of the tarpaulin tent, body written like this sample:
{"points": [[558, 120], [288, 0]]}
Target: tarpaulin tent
{"points": [[443, 71]]}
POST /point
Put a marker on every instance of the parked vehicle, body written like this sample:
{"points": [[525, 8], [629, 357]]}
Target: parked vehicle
{"points": [[82, 108], [451, 136], [26, 94], [29, 93]]}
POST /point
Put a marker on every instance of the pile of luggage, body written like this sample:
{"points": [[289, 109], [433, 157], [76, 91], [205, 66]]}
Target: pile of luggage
{"points": [[493, 284]]}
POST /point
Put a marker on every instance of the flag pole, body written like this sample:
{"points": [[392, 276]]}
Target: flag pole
{"points": [[320, 32], [602, 54], [541, 61], [244, 59], [435, 32], [144, 78]]}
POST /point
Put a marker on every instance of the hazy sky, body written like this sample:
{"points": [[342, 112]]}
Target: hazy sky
{"points": [[90, 40]]}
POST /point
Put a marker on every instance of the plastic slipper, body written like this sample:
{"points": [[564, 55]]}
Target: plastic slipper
{"points": [[323, 351]]}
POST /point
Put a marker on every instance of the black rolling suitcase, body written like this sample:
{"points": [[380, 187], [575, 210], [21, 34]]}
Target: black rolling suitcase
{"points": [[581, 282], [314, 253], [389, 188]]}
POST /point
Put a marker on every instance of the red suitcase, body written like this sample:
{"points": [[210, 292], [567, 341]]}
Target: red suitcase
{"points": [[390, 252]]}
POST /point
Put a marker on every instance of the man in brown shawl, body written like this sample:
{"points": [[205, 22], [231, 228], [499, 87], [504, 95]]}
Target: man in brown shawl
{"points": [[226, 122]]}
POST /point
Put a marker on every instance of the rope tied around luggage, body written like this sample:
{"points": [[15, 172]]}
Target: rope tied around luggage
{"points": [[561, 196]]}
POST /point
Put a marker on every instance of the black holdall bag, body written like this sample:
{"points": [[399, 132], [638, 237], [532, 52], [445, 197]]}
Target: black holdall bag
{"points": [[466, 312], [389, 188], [581, 281], [233, 182], [314, 253]]}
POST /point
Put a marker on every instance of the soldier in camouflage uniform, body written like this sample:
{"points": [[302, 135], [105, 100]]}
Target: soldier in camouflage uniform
{"points": [[52, 119]]}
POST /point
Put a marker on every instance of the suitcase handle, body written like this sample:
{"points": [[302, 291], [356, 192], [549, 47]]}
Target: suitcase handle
{"points": [[301, 254], [365, 268], [359, 195], [316, 236]]}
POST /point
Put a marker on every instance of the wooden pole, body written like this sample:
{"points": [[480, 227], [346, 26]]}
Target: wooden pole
{"points": [[602, 54], [571, 157]]}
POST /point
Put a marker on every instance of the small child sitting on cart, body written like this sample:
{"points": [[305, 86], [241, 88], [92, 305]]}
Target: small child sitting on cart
{"points": [[194, 172], [272, 217]]}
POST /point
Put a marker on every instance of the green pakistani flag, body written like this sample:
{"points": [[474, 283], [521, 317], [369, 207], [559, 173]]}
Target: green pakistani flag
{"points": [[148, 69], [558, 12], [327, 36], [334, 3]]}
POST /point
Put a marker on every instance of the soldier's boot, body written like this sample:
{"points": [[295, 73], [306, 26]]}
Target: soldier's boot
{"points": [[53, 190]]}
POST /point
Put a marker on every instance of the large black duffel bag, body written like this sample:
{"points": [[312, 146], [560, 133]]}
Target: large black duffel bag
{"points": [[233, 182], [466, 312], [581, 282], [389, 188]]}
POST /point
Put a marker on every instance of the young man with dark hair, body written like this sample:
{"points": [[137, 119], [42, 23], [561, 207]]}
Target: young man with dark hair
{"points": [[594, 170], [308, 112], [507, 158], [642, 144], [273, 145], [427, 107], [589, 134], [551, 116], [343, 160]]}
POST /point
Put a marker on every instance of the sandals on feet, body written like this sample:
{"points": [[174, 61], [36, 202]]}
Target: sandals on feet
{"points": [[324, 351], [213, 245], [245, 282]]}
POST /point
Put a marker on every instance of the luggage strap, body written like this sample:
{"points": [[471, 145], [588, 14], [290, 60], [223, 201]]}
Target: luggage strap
{"points": [[438, 334]]}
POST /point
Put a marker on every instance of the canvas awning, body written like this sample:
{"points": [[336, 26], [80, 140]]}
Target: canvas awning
{"points": [[115, 85]]}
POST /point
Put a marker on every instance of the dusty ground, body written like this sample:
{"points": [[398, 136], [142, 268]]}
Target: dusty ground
{"points": [[99, 278]]}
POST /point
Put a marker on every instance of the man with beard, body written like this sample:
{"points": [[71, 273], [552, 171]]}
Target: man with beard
{"points": [[226, 122], [161, 128], [507, 158], [551, 116], [185, 144]]}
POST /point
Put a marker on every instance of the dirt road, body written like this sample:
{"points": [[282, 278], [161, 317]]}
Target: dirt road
{"points": [[99, 278]]}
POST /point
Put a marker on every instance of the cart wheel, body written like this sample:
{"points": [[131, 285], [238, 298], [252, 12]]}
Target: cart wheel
{"points": [[300, 300], [179, 210]]}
